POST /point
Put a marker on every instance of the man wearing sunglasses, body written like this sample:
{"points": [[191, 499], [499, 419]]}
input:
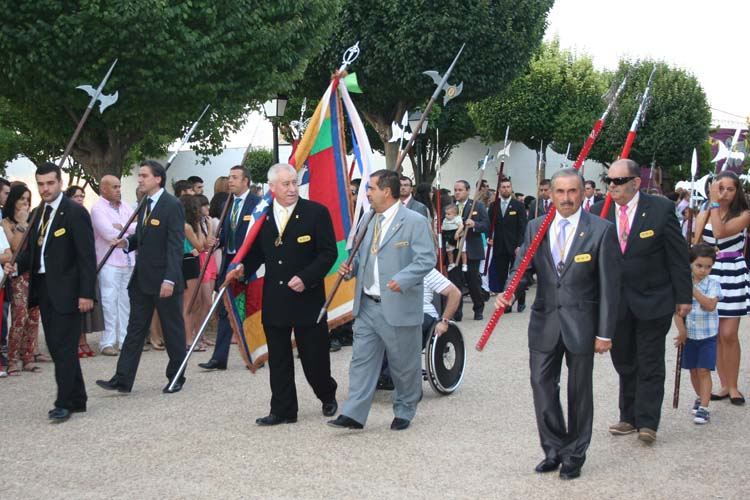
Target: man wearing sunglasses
{"points": [[656, 283]]}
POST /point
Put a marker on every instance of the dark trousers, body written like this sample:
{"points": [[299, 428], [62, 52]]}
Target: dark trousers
{"points": [[503, 265], [474, 282], [312, 345], [172, 324], [61, 332], [224, 335], [638, 356], [558, 440]]}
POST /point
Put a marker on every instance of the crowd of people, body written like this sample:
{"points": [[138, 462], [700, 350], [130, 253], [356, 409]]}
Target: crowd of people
{"points": [[614, 283]]}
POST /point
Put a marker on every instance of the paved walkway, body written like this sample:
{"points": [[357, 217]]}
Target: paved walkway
{"points": [[480, 442]]}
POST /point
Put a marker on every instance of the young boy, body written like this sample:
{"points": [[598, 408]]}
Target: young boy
{"points": [[452, 229], [699, 330]]}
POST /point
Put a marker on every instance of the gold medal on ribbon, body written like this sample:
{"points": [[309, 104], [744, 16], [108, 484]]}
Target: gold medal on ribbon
{"points": [[277, 243]]}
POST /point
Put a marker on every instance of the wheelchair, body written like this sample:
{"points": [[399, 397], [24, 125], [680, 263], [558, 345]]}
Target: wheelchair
{"points": [[445, 359]]}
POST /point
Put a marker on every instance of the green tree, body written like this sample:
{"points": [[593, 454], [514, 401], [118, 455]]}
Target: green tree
{"points": [[258, 161], [174, 58], [400, 39], [676, 121], [556, 100]]}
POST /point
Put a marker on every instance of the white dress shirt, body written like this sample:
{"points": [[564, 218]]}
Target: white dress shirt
{"points": [[632, 205], [569, 233], [279, 215], [55, 205], [389, 215]]}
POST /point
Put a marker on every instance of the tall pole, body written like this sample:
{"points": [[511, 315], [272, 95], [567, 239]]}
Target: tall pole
{"points": [[275, 143]]}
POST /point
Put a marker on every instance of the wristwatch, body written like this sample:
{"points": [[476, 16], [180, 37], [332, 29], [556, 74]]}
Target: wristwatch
{"points": [[446, 321]]}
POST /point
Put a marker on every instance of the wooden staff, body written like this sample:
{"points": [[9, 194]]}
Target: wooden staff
{"points": [[497, 199]]}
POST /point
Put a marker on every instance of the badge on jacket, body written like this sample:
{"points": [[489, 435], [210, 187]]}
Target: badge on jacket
{"points": [[512, 213], [583, 257], [647, 234], [155, 222], [304, 239], [247, 218], [401, 244], [59, 232]]}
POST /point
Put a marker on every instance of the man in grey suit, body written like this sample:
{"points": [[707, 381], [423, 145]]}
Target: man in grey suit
{"points": [[408, 200], [544, 204], [574, 314], [395, 255]]}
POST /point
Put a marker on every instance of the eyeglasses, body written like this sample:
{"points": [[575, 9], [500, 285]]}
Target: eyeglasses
{"points": [[618, 181]]}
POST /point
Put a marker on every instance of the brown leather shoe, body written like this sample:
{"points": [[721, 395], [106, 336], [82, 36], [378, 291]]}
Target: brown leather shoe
{"points": [[621, 429], [646, 435]]}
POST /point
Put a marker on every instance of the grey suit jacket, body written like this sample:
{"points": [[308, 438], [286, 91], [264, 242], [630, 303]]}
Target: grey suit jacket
{"points": [[406, 255], [418, 207], [581, 303]]}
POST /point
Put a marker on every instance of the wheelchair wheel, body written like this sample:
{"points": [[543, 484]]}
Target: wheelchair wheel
{"points": [[446, 360]]}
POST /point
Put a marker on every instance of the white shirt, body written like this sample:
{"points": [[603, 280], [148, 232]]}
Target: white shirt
{"points": [[569, 234], [155, 198], [242, 198], [55, 205], [279, 215], [632, 204], [434, 282], [4, 245], [504, 202], [389, 215]]}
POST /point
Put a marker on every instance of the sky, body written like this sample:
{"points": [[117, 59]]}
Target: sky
{"points": [[708, 39]]}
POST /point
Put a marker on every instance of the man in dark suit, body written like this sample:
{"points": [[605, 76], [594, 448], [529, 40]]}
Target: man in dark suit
{"points": [[157, 280], [543, 200], [656, 283], [476, 222], [590, 198], [574, 314], [297, 244], [61, 257], [510, 222], [407, 200], [232, 235]]}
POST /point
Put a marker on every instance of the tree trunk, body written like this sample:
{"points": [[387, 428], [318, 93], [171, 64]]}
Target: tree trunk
{"points": [[102, 155]]}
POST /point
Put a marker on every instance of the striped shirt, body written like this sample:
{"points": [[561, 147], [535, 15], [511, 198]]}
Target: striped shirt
{"points": [[434, 282], [702, 324]]}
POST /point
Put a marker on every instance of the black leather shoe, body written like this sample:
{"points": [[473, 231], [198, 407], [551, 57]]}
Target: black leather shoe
{"points": [[399, 424], [508, 309], [385, 383], [73, 410], [334, 345], [111, 385], [344, 422], [547, 465], [478, 316], [272, 419], [213, 365], [521, 307], [571, 469], [59, 415], [330, 409], [177, 388]]}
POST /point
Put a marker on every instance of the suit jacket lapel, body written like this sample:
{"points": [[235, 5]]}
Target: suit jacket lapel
{"points": [[575, 246], [56, 222], [398, 221]]}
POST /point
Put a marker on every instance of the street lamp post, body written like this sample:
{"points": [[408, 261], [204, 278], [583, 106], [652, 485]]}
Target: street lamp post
{"points": [[413, 122], [275, 109]]}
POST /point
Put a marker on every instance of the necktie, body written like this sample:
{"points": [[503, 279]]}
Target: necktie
{"points": [[149, 201], [460, 206], [504, 206], [624, 227], [233, 218], [42, 234], [546, 206], [559, 247], [369, 272], [588, 205], [282, 218]]}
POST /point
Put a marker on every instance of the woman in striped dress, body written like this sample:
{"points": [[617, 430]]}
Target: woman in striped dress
{"points": [[724, 226]]}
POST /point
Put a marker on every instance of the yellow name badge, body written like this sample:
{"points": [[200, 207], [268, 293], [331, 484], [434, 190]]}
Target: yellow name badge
{"points": [[304, 239], [584, 257], [155, 222], [247, 218], [512, 213], [60, 232], [647, 234], [401, 244], [474, 212]]}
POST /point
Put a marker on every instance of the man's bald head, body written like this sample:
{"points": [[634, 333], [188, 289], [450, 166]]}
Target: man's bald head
{"points": [[110, 188]]}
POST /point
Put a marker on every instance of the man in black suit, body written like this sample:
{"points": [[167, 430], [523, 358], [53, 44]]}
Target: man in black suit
{"points": [[61, 257], [297, 244], [407, 200], [232, 235], [590, 198], [476, 222], [656, 283], [157, 280], [574, 314], [544, 202], [510, 222]]}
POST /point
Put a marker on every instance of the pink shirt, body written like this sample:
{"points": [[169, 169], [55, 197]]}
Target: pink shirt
{"points": [[103, 216]]}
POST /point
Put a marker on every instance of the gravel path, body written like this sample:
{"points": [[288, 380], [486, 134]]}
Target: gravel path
{"points": [[480, 442]]}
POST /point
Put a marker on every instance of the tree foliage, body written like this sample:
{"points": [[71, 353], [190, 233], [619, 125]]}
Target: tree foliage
{"points": [[258, 161], [556, 100], [174, 58], [400, 39]]}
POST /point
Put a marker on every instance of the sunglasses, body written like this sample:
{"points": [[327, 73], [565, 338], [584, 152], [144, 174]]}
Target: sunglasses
{"points": [[618, 181]]}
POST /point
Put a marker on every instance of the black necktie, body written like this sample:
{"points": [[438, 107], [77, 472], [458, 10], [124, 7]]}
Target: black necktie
{"points": [[40, 241], [148, 207]]}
